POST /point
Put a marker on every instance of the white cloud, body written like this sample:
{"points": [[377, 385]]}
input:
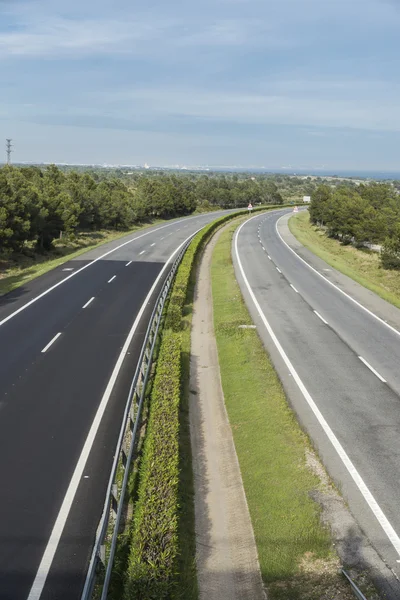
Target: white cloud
{"points": [[308, 103], [60, 35]]}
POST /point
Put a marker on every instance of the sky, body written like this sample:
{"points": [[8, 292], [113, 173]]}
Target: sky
{"points": [[310, 84]]}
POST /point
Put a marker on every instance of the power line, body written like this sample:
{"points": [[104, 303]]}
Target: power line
{"points": [[9, 150]]}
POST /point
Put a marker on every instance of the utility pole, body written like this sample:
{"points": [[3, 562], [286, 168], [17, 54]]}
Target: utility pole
{"points": [[9, 150]]}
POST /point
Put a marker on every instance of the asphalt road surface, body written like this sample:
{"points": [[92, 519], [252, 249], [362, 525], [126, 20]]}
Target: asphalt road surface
{"points": [[339, 365], [60, 339]]}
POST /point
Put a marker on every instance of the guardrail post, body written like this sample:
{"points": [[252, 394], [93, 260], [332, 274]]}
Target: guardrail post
{"points": [[102, 554], [124, 456], [114, 500]]}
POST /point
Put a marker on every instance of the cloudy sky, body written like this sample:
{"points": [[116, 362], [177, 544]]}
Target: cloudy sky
{"points": [[275, 83]]}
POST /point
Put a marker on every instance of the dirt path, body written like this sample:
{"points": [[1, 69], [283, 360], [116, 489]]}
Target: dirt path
{"points": [[227, 561]]}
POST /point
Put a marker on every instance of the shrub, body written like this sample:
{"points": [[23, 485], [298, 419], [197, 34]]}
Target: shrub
{"points": [[151, 572]]}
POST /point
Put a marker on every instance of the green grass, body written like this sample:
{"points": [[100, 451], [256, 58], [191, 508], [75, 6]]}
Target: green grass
{"points": [[362, 265], [294, 549], [18, 270]]}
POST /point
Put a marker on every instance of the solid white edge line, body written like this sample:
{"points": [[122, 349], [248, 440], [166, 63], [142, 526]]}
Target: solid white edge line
{"points": [[88, 302], [112, 279], [293, 288], [53, 287], [52, 544], [128, 263], [369, 498], [333, 285], [372, 369], [322, 318], [51, 342]]}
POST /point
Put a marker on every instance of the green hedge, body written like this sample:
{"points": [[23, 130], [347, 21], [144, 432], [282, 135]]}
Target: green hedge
{"points": [[154, 535], [151, 572]]}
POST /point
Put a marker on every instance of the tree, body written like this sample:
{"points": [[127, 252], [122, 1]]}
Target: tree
{"points": [[319, 204]]}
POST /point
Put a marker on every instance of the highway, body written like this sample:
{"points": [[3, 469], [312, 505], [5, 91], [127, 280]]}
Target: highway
{"points": [[339, 363], [69, 343]]}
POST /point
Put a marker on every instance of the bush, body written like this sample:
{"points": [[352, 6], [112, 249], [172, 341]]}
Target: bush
{"points": [[154, 537], [151, 572], [390, 255]]}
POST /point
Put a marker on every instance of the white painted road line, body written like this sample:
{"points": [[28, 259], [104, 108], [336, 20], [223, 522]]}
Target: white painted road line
{"points": [[332, 284], [129, 263], [322, 318], [151, 245], [293, 288], [53, 287], [269, 257], [358, 480], [112, 279], [372, 369], [278, 269], [58, 528], [142, 252], [263, 248], [68, 269], [88, 302], [51, 343]]}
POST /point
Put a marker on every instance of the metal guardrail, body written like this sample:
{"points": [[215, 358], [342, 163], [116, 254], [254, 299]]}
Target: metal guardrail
{"points": [[108, 529], [357, 592]]}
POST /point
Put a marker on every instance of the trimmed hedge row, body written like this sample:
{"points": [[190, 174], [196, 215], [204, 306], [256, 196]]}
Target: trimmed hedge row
{"points": [[151, 572], [154, 536]]}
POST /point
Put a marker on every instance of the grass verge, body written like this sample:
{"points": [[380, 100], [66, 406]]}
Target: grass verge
{"points": [[294, 548], [362, 265]]}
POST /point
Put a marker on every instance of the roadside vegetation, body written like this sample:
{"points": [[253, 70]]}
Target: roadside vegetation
{"points": [[295, 550], [360, 264], [47, 214], [156, 558], [368, 214]]}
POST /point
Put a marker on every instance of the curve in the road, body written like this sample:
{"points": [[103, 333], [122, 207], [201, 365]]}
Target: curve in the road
{"points": [[62, 387], [350, 408]]}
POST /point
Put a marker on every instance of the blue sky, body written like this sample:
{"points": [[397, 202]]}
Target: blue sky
{"points": [[275, 83]]}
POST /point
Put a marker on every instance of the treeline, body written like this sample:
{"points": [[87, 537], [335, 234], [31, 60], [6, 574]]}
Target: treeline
{"points": [[39, 205], [366, 214]]}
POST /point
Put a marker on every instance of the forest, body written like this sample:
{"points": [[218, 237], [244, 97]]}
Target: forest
{"points": [[361, 215], [39, 205]]}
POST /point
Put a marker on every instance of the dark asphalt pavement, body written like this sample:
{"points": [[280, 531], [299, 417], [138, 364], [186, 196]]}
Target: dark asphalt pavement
{"points": [[361, 410], [48, 400]]}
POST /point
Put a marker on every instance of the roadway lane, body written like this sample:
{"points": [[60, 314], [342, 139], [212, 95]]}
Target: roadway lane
{"points": [[48, 400], [323, 334]]}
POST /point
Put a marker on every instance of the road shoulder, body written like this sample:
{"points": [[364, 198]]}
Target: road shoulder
{"points": [[384, 310]]}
